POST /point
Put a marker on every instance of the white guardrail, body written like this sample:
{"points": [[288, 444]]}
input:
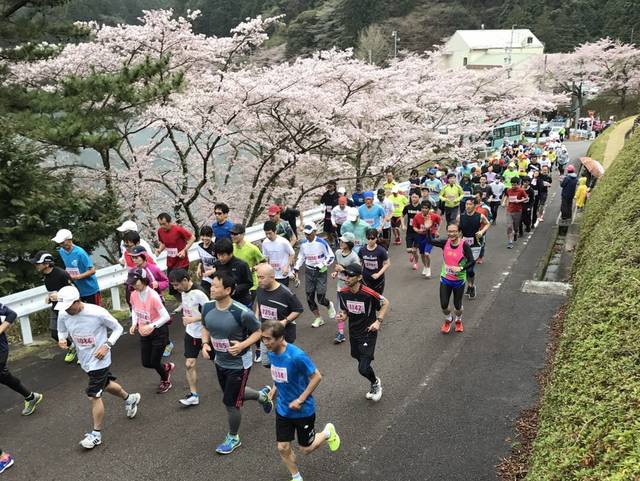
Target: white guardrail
{"points": [[33, 300]]}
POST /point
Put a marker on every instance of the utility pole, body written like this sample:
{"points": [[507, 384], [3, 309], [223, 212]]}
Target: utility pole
{"points": [[510, 52], [394, 34], [542, 83]]}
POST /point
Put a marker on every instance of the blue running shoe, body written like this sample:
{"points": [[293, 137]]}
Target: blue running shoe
{"points": [[6, 461], [229, 444], [168, 349], [265, 402]]}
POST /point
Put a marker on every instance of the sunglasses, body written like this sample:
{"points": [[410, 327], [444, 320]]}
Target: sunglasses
{"points": [[218, 213], [371, 237]]}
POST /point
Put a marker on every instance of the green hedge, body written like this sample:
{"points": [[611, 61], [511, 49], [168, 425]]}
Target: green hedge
{"points": [[590, 414]]}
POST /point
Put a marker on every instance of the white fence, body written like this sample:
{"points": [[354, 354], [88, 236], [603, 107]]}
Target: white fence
{"points": [[33, 300]]}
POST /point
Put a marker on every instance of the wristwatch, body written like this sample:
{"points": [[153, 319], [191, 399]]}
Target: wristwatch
{"points": [[109, 344]]}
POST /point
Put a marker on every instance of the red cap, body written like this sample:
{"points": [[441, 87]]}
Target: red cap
{"points": [[342, 200], [571, 168], [273, 210]]}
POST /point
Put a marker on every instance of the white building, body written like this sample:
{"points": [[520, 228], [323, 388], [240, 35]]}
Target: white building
{"points": [[491, 48]]}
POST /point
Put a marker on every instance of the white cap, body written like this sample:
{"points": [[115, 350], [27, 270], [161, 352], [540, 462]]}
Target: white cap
{"points": [[309, 228], [353, 214], [128, 225], [62, 235], [67, 296], [341, 190]]}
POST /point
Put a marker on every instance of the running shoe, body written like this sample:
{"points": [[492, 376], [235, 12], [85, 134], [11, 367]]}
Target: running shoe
{"points": [[376, 390], [446, 327], [90, 441], [190, 399], [30, 406], [412, 260], [71, 355], [459, 327], [332, 310], [230, 444], [317, 322], [415, 266], [510, 245], [397, 241], [257, 356], [333, 440], [164, 386], [424, 272], [6, 461], [168, 349], [472, 292], [296, 282], [131, 405], [340, 338], [265, 402]]}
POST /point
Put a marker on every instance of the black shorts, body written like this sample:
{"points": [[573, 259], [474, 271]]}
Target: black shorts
{"points": [[192, 346], [386, 233], [232, 382], [396, 222], [363, 346], [303, 428], [92, 299], [411, 240], [290, 332], [328, 226], [375, 284], [98, 380]]}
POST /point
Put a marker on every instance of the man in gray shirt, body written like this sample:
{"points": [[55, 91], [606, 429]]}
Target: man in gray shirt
{"points": [[229, 329]]}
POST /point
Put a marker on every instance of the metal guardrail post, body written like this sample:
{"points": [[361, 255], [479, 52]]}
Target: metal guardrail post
{"points": [[115, 299], [25, 329]]}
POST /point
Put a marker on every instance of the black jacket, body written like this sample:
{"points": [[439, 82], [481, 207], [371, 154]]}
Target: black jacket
{"points": [[241, 272]]}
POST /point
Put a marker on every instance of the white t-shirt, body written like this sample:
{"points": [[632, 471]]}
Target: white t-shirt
{"points": [[192, 303], [277, 253], [88, 329], [388, 207]]}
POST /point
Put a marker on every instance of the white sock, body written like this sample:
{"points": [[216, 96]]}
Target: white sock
{"points": [[449, 317], [296, 477], [326, 432], [97, 434]]}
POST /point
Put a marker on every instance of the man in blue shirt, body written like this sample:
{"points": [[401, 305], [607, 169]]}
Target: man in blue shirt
{"points": [[79, 266], [295, 377], [433, 185], [358, 196], [372, 214], [222, 225]]}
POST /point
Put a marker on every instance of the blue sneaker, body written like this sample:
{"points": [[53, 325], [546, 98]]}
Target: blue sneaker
{"points": [[339, 338], [229, 445], [6, 461], [266, 403], [168, 349]]}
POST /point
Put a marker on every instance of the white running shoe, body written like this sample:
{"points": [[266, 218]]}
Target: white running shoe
{"points": [[190, 400], [90, 441], [424, 272], [376, 390], [317, 322], [332, 310], [131, 405], [428, 274]]}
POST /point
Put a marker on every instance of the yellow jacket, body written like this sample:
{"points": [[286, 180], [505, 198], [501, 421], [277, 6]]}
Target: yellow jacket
{"points": [[581, 192]]}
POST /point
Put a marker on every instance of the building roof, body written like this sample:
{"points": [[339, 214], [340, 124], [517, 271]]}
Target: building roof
{"points": [[484, 39]]}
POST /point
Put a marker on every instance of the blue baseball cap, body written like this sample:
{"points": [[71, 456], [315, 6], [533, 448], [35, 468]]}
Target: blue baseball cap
{"points": [[368, 195]]}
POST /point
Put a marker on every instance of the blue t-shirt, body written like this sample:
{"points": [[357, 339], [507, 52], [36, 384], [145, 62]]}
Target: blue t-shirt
{"points": [[221, 231], [373, 217], [434, 186], [78, 262], [291, 371], [358, 199]]}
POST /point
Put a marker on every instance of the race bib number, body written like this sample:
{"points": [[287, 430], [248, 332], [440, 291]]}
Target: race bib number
{"points": [[84, 341], [268, 313], [371, 265], [73, 271], [467, 193], [221, 345], [142, 317], [313, 258], [172, 252], [279, 374], [187, 311], [469, 240], [369, 221], [449, 270], [329, 208], [355, 307], [513, 198]]}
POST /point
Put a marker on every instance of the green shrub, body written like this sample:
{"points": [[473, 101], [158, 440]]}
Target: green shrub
{"points": [[590, 415]]}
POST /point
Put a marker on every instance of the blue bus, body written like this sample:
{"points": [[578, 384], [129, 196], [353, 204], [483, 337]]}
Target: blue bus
{"points": [[510, 131]]}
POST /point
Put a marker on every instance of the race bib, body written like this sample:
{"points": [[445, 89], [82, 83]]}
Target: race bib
{"points": [[355, 307], [268, 313], [369, 221], [513, 198], [73, 271], [221, 345], [187, 311], [312, 258], [172, 252], [275, 265], [329, 208], [142, 317], [279, 374], [449, 271], [467, 193], [84, 341], [371, 265], [469, 240]]}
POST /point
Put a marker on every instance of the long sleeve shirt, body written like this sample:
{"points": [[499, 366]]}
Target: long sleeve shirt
{"points": [[6, 315], [315, 254]]}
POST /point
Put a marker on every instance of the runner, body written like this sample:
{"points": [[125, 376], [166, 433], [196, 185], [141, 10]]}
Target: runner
{"points": [[6, 461], [526, 223], [283, 227], [425, 234], [375, 262], [291, 215], [372, 214], [295, 377], [131, 226], [316, 255], [208, 257], [275, 302], [485, 210], [383, 201], [543, 183], [149, 317], [177, 241], [497, 191], [510, 173], [278, 252], [345, 256], [473, 226], [222, 225], [451, 195], [79, 266], [399, 201], [411, 238], [434, 186], [31, 398], [87, 325], [158, 281], [247, 252], [54, 280], [329, 199], [339, 214], [193, 300], [514, 198], [358, 196], [355, 227], [390, 182], [414, 182], [458, 259], [365, 309], [229, 329], [236, 268]]}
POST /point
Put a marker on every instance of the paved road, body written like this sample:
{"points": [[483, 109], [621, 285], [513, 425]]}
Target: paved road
{"points": [[447, 412]]}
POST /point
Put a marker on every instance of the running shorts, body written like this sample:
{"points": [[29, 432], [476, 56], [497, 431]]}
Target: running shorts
{"points": [[192, 346], [411, 240], [232, 382], [424, 246], [98, 380], [363, 346], [396, 222], [303, 428]]}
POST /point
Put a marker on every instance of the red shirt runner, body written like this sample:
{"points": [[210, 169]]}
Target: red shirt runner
{"points": [[174, 240]]}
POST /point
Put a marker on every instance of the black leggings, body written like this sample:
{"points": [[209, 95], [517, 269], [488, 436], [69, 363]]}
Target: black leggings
{"points": [[495, 206], [445, 295], [152, 348], [365, 369], [451, 214], [9, 379]]}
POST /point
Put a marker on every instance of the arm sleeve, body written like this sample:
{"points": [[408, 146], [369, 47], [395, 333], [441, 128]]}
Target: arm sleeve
{"points": [[294, 303], [468, 254], [86, 261], [161, 279], [62, 328], [245, 280], [164, 317], [438, 242], [300, 259], [330, 255]]}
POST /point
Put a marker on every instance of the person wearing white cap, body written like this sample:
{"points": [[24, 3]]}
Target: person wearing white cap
{"points": [[130, 226], [316, 255], [354, 225], [79, 266], [87, 324]]}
